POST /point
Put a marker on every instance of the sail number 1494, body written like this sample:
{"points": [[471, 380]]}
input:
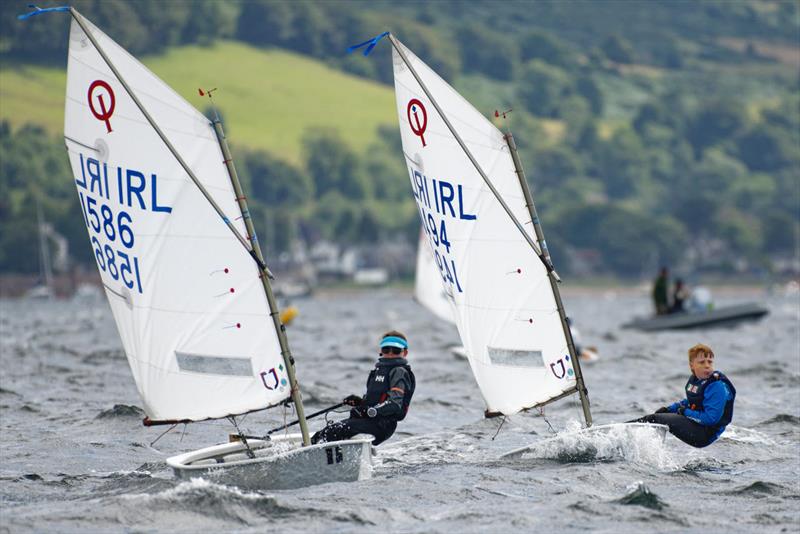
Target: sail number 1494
{"points": [[438, 234]]}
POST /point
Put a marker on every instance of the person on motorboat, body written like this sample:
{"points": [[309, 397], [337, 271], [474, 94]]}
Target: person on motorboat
{"points": [[660, 292], [679, 296], [702, 416], [390, 386]]}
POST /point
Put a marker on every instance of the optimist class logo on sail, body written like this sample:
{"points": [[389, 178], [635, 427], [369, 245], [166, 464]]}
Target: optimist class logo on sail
{"points": [[102, 114], [418, 126]]}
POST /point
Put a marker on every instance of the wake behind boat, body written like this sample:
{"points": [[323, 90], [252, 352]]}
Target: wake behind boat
{"points": [[182, 268], [727, 316], [590, 444]]}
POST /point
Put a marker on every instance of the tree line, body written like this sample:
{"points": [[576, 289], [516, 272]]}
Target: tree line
{"points": [[638, 165]]}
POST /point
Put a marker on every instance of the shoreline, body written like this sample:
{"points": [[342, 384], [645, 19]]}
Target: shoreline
{"points": [[16, 285]]}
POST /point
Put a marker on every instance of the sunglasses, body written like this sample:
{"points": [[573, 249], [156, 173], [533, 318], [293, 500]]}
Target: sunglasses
{"points": [[391, 350]]}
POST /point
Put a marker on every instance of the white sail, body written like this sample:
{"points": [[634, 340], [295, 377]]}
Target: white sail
{"points": [[185, 295], [505, 309], [428, 288]]}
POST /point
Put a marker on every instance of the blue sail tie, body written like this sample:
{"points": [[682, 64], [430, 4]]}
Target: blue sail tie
{"points": [[39, 11], [371, 42]]}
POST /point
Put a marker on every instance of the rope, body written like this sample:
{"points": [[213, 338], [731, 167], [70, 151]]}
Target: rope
{"points": [[541, 412], [164, 433], [243, 438], [499, 427]]}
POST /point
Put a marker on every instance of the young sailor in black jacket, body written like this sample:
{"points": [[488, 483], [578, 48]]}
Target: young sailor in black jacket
{"points": [[390, 386]]}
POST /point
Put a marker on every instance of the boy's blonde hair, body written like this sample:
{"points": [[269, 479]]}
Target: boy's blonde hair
{"points": [[700, 349]]}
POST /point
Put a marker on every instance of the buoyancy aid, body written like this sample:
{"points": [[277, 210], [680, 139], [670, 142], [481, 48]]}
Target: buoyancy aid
{"points": [[379, 384], [695, 391]]}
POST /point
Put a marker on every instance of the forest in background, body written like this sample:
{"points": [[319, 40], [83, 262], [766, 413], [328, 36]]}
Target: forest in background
{"points": [[652, 132]]}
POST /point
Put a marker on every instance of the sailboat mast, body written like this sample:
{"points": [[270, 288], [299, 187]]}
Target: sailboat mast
{"points": [[537, 227], [274, 312], [254, 252]]}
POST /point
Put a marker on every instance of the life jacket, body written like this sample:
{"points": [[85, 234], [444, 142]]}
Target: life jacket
{"points": [[695, 390], [378, 386]]}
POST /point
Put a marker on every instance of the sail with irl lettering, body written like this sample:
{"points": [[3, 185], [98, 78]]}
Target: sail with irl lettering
{"points": [[182, 270], [186, 297], [485, 240]]}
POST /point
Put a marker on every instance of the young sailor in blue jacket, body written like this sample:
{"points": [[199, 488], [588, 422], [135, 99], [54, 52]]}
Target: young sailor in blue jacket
{"points": [[390, 386], [702, 416]]}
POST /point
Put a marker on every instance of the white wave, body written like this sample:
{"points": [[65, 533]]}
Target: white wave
{"points": [[441, 447], [745, 435], [636, 443], [195, 486]]}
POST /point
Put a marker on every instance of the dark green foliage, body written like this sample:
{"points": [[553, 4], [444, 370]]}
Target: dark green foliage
{"points": [[587, 87], [553, 166], [307, 28], [540, 88], [629, 239], [621, 164], [766, 148], [741, 229], [485, 52], [337, 218], [265, 22], [333, 166], [546, 47], [618, 49], [781, 231], [384, 169], [273, 182], [140, 27], [668, 53], [207, 21], [697, 195], [714, 122], [34, 168]]}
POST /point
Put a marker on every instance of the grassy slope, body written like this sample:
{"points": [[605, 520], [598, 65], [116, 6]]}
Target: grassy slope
{"points": [[268, 98]]}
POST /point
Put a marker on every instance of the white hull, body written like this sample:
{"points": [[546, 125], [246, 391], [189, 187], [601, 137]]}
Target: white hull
{"points": [[622, 432], [279, 463]]}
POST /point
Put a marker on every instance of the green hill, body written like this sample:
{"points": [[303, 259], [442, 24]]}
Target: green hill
{"points": [[268, 98]]}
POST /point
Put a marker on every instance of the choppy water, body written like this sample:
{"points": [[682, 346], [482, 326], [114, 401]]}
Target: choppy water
{"points": [[71, 461]]}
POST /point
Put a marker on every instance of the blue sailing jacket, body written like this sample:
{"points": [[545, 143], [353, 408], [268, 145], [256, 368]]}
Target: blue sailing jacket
{"points": [[708, 402]]}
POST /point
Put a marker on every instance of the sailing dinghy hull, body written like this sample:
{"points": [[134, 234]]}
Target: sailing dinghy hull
{"points": [[622, 433], [280, 463]]}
